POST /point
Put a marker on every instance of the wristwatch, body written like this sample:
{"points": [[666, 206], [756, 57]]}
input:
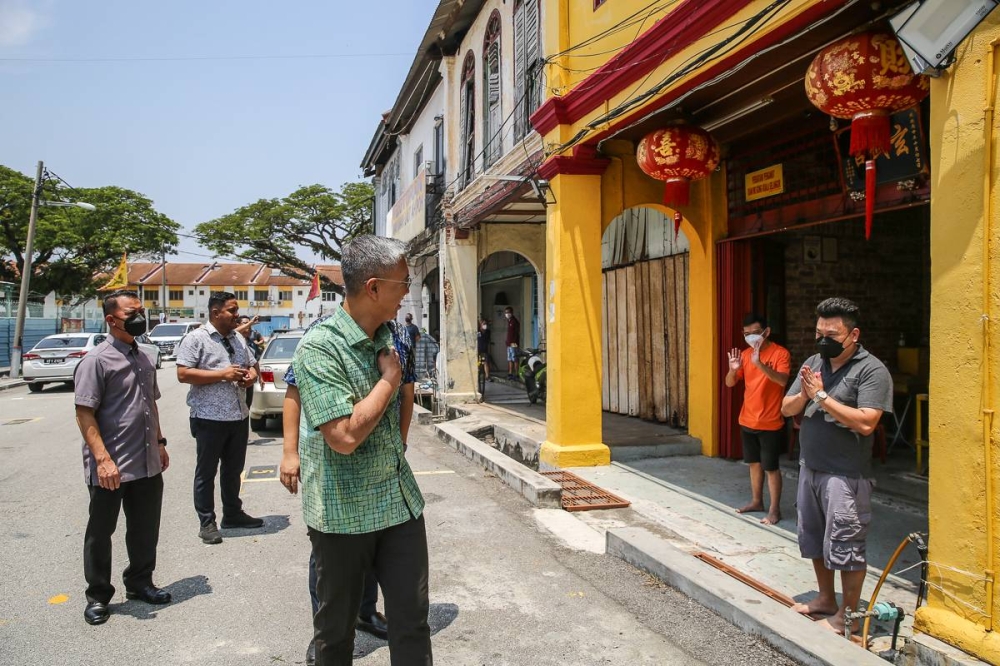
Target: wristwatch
{"points": [[820, 397], [163, 441]]}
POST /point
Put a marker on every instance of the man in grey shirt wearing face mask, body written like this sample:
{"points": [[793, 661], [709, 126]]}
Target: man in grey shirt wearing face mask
{"points": [[841, 392]]}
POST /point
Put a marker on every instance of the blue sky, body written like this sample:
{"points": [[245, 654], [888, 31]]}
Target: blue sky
{"points": [[200, 137]]}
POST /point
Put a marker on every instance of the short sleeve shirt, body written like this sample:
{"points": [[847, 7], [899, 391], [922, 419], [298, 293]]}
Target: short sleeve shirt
{"points": [[513, 331], [118, 382], [826, 445], [204, 349], [372, 488], [762, 397]]}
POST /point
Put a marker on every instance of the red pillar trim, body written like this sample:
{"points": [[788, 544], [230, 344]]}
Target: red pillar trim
{"points": [[577, 166], [686, 24]]}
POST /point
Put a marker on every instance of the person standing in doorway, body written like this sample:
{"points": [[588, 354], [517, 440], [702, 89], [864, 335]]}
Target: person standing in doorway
{"points": [[513, 341], [763, 368], [124, 457], [412, 331], [841, 392], [483, 346], [217, 364]]}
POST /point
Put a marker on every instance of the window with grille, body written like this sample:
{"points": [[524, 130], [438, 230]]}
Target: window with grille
{"points": [[177, 294], [241, 295], [492, 107], [329, 296], [285, 295], [468, 128], [418, 160], [527, 65], [259, 295], [439, 159]]}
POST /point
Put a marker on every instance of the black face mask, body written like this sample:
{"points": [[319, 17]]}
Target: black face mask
{"points": [[135, 325], [829, 348]]}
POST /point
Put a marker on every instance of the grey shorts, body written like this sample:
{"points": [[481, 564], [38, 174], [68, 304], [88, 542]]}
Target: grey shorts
{"points": [[834, 514]]}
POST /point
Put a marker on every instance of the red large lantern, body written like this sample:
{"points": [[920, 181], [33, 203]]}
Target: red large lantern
{"points": [[865, 78], [677, 155]]}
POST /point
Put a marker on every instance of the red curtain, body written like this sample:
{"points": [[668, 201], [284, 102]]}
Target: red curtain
{"points": [[734, 301]]}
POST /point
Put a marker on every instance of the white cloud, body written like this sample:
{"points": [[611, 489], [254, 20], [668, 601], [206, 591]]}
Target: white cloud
{"points": [[19, 22]]}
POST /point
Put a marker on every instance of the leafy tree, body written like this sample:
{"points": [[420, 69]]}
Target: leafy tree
{"points": [[74, 247], [271, 231]]}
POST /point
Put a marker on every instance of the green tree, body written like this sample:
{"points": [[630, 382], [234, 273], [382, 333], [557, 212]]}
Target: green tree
{"points": [[273, 231], [74, 247]]}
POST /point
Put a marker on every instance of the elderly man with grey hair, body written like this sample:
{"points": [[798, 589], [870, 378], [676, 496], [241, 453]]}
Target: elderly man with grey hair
{"points": [[360, 499]]}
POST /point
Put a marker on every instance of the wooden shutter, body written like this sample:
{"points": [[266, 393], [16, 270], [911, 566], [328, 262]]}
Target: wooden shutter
{"points": [[520, 115], [532, 55], [491, 114]]}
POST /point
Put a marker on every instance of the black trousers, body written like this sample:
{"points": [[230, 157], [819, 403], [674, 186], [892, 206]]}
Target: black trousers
{"points": [[369, 596], [398, 558], [222, 448], [142, 500]]}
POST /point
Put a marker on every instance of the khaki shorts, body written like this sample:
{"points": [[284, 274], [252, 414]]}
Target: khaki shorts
{"points": [[834, 515]]}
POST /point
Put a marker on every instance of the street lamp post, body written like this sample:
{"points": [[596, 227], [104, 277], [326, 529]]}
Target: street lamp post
{"points": [[22, 304]]}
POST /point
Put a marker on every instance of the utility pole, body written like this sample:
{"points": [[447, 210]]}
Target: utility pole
{"points": [[163, 271], [22, 304]]}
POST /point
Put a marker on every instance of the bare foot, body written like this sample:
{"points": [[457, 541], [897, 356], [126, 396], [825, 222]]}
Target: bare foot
{"points": [[816, 606], [835, 623], [752, 507], [771, 518]]}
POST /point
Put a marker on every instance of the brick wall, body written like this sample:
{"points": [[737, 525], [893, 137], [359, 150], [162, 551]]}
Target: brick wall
{"points": [[887, 276]]}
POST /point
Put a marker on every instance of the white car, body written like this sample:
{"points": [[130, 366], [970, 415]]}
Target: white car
{"points": [[55, 358], [269, 400], [168, 335]]}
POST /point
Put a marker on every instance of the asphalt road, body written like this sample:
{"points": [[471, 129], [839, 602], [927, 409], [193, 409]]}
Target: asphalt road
{"points": [[504, 591]]}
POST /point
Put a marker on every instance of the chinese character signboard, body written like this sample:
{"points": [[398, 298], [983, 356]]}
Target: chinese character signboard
{"points": [[765, 183], [907, 157]]}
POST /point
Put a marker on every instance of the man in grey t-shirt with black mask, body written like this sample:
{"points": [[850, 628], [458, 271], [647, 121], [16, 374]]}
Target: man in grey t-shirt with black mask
{"points": [[841, 393]]}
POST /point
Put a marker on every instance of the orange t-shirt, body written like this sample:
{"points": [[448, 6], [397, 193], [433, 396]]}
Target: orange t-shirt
{"points": [[762, 397]]}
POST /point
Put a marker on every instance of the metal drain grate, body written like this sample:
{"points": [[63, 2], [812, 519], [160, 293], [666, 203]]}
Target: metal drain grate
{"points": [[580, 495]]}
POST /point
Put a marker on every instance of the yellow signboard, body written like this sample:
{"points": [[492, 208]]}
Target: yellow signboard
{"points": [[765, 183]]}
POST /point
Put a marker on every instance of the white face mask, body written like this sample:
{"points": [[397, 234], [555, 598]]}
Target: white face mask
{"points": [[753, 338], [483, 327], [508, 315]]}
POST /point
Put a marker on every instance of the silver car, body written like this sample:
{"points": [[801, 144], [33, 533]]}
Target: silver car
{"points": [[55, 358], [267, 401]]}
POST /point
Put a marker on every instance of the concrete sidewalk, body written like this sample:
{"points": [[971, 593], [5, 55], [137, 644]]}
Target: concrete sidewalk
{"points": [[683, 504]]}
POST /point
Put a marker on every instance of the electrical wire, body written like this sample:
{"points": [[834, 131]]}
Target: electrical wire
{"points": [[314, 56]]}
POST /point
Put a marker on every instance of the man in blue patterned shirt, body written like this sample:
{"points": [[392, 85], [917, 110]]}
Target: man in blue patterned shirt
{"points": [[360, 499], [369, 619]]}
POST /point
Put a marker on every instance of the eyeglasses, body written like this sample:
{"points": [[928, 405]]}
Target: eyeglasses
{"points": [[408, 281]]}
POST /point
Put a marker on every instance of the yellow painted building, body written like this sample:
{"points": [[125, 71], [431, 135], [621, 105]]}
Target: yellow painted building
{"points": [[622, 68]]}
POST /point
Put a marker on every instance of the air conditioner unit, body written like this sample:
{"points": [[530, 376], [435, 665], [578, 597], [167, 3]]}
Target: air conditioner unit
{"points": [[253, 304]]}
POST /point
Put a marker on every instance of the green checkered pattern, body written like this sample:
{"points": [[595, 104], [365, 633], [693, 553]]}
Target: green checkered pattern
{"points": [[372, 488]]}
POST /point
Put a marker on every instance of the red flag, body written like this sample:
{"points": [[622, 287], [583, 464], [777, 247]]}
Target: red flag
{"points": [[314, 289]]}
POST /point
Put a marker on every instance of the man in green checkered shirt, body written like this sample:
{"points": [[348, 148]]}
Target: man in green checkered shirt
{"points": [[361, 502]]}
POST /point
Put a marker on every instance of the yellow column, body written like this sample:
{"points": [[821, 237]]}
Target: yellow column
{"points": [[573, 268], [962, 606]]}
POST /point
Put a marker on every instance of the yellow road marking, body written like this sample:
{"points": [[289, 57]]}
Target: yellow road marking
{"points": [[434, 472]]}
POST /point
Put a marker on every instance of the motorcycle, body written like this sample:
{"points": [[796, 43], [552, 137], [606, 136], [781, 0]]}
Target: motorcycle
{"points": [[531, 370]]}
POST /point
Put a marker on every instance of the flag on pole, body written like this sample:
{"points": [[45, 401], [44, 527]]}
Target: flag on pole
{"points": [[120, 278], [314, 289]]}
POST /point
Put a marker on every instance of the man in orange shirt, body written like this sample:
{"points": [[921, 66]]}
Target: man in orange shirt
{"points": [[764, 368]]}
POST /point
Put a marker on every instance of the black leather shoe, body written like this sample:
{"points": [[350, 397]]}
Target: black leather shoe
{"points": [[375, 624], [311, 653], [241, 520], [150, 594], [96, 612]]}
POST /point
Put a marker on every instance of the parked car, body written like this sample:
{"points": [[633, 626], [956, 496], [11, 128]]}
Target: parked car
{"points": [[151, 350], [267, 401], [167, 336], [54, 358]]}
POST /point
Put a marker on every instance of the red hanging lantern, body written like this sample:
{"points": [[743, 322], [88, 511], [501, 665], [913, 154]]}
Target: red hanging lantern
{"points": [[677, 155], [865, 78]]}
